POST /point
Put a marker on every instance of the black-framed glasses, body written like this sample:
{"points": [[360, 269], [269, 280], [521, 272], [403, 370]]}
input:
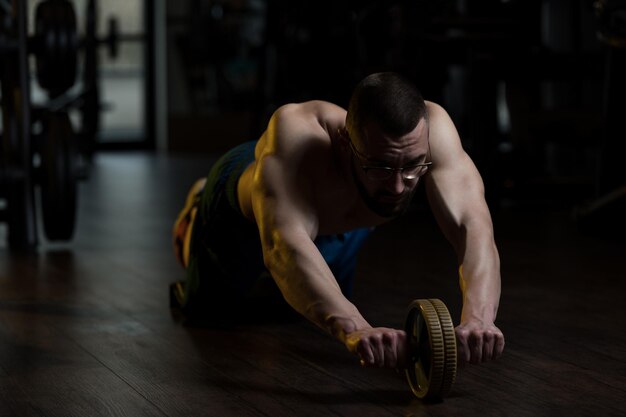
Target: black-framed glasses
{"points": [[381, 173]]}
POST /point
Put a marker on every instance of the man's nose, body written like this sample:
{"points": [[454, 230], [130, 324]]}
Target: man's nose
{"points": [[395, 183]]}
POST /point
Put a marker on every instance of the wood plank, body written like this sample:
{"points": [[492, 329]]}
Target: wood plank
{"points": [[13, 399], [266, 372], [127, 350], [177, 382], [48, 373]]}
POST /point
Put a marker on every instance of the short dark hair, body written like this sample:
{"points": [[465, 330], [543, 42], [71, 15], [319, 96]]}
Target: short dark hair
{"points": [[389, 100]]}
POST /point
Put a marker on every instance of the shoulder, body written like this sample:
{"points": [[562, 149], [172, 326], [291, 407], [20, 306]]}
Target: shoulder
{"points": [[446, 148], [438, 117], [314, 108], [290, 157], [296, 129], [442, 134], [309, 114], [298, 138]]}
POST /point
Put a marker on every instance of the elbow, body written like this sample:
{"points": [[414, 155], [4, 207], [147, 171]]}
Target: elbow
{"points": [[457, 239], [455, 233], [474, 231]]}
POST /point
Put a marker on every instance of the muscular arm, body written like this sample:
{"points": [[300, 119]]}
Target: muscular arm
{"points": [[456, 194], [284, 209], [288, 222]]}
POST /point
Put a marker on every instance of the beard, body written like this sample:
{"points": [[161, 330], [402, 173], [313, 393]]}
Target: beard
{"points": [[376, 201]]}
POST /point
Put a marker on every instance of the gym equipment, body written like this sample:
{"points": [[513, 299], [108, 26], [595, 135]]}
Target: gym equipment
{"points": [[55, 45], [604, 216], [16, 182], [38, 144], [432, 347], [58, 177], [90, 98]]}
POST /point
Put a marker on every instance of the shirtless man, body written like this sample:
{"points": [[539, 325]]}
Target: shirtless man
{"points": [[290, 211]]}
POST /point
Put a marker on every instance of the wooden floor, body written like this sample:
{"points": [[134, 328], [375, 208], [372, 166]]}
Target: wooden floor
{"points": [[85, 327]]}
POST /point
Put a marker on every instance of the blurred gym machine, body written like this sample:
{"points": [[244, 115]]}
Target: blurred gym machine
{"points": [[39, 145], [606, 215]]}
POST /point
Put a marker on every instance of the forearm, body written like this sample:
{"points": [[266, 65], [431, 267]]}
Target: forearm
{"points": [[308, 285], [479, 339], [479, 273], [457, 195]]}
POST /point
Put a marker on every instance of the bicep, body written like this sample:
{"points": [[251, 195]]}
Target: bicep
{"points": [[454, 186]]}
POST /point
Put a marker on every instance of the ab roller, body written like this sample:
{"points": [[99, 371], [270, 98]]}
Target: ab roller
{"points": [[432, 349]]}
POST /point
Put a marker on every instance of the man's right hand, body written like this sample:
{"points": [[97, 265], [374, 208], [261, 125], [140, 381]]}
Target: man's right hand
{"points": [[379, 347]]}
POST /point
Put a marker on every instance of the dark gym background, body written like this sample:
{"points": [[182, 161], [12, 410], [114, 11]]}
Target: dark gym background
{"points": [[532, 86], [536, 89]]}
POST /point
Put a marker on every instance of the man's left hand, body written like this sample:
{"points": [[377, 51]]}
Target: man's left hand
{"points": [[478, 342]]}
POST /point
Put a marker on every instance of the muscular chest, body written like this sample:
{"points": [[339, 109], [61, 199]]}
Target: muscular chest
{"points": [[339, 207]]}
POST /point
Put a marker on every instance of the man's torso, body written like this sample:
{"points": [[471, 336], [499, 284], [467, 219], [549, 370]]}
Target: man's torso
{"points": [[325, 176]]}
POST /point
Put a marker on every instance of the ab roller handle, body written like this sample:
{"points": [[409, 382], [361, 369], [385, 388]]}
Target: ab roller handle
{"points": [[432, 348]]}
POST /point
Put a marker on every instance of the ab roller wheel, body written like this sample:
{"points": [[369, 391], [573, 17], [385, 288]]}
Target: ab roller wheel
{"points": [[432, 346]]}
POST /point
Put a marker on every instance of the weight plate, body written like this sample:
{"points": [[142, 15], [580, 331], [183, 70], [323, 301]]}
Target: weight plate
{"points": [[450, 352], [57, 45], [425, 374], [58, 178]]}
